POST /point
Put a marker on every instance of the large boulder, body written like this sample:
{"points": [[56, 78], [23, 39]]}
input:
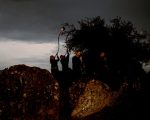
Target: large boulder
{"points": [[28, 93], [95, 96], [95, 100]]}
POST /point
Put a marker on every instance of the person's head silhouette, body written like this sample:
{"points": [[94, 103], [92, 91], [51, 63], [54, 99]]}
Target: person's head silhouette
{"points": [[77, 53], [52, 57], [62, 57]]}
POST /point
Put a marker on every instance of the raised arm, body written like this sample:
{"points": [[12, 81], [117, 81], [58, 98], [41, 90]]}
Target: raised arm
{"points": [[57, 57]]}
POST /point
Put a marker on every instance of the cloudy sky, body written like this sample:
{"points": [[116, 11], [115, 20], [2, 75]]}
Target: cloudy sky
{"points": [[29, 28]]}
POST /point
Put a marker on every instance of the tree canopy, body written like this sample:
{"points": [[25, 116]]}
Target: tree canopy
{"points": [[125, 47], [119, 37]]}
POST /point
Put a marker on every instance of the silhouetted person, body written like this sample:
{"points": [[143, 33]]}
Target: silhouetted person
{"points": [[101, 69], [103, 61], [64, 59], [76, 64], [65, 82], [54, 65], [66, 74], [112, 77]]}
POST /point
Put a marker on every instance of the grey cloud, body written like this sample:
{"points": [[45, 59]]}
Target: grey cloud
{"points": [[137, 11], [27, 20], [40, 19], [33, 60], [27, 36]]}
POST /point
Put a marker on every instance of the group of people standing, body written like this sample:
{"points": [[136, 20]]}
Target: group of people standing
{"points": [[65, 78], [64, 60], [95, 66]]}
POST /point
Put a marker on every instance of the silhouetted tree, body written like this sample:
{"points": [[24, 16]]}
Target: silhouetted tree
{"points": [[124, 46]]}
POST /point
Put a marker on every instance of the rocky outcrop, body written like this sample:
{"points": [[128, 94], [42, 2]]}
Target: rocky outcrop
{"points": [[95, 96], [28, 93], [95, 100], [31, 93]]}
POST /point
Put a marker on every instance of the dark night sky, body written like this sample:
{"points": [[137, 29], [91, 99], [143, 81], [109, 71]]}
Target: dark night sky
{"points": [[38, 21]]}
